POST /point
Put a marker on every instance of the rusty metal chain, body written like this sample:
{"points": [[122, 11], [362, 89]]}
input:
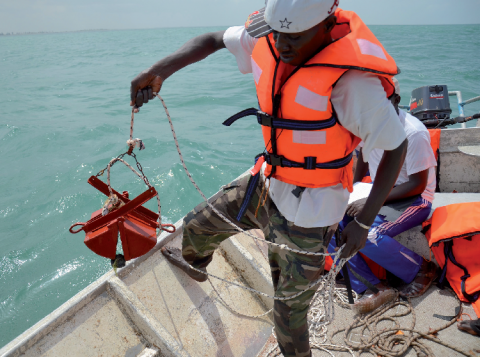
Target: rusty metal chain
{"points": [[118, 158], [101, 172]]}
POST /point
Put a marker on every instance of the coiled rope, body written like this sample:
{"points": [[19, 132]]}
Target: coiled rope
{"points": [[394, 341], [388, 342]]}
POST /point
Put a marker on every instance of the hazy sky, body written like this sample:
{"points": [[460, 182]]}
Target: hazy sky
{"points": [[70, 15]]}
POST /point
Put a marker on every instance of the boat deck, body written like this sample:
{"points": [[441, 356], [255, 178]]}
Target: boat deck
{"points": [[152, 308], [434, 301]]}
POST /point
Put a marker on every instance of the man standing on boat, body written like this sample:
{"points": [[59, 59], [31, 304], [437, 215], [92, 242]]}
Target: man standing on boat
{"points": [[323, 81]]}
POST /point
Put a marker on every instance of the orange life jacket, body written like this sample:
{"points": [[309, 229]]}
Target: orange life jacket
{"points": [[435, 144], [376, 269], [453, 234], [435, 140], [306, 146]]}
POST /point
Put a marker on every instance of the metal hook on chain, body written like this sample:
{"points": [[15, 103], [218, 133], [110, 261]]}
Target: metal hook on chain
{"points": [[133, 143]]}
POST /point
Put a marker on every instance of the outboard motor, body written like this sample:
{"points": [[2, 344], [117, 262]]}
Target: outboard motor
{"points": [[430, 104]]}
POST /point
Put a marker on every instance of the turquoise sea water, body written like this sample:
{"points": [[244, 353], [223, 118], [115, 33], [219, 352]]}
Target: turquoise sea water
{"points": [[64, 113]]}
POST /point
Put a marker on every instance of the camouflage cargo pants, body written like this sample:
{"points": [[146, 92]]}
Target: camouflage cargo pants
{"points": [[291, 273]]}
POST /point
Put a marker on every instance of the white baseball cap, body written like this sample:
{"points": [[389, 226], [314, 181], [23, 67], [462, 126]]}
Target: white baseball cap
{"points": [[289, 16]]}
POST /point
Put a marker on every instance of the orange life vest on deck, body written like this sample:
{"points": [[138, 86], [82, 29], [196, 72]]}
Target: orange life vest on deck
{"points": [[308, 133], [435, 140], [453, 234], [435, 135]]}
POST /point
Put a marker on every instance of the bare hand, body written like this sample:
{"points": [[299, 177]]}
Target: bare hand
{"points": [[142, 88], [354, 238], [356, 207]]}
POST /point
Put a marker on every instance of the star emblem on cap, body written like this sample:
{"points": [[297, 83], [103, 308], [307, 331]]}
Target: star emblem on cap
{"points": [[285, 23]]}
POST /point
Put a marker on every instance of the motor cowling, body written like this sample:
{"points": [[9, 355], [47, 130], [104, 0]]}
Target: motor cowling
{"points": [[430, 102]]}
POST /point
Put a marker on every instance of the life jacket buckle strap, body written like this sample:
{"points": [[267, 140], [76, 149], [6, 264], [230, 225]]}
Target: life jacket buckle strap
{"points": [[265, 119], [310, 163], [276, 160]]}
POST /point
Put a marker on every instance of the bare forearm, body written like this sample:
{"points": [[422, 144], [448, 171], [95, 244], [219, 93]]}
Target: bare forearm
{"points": [[386, 176], [193, 51], [150, 81], [399, 192], [415, 185]]}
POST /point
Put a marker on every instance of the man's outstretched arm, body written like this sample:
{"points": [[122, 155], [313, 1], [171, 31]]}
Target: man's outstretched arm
{"points": [[193, 51], [387, 173]]}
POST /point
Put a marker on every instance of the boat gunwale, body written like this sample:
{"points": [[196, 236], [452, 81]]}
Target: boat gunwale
{"points": [[64, 312]]}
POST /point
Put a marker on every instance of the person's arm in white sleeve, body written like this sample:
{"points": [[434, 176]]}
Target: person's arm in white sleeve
{"points": [[151, 79], [415, 185], [363, 109], [240, 44], [419, 160]]}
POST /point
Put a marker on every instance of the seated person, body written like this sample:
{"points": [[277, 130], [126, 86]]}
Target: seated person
{"points": [[415, 182]]}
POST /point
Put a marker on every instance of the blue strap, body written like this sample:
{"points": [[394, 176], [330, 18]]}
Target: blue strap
{"points": [[301, 125], [309, 164], [441, 280], [242, 114], [279, 123], [251, 186]]}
